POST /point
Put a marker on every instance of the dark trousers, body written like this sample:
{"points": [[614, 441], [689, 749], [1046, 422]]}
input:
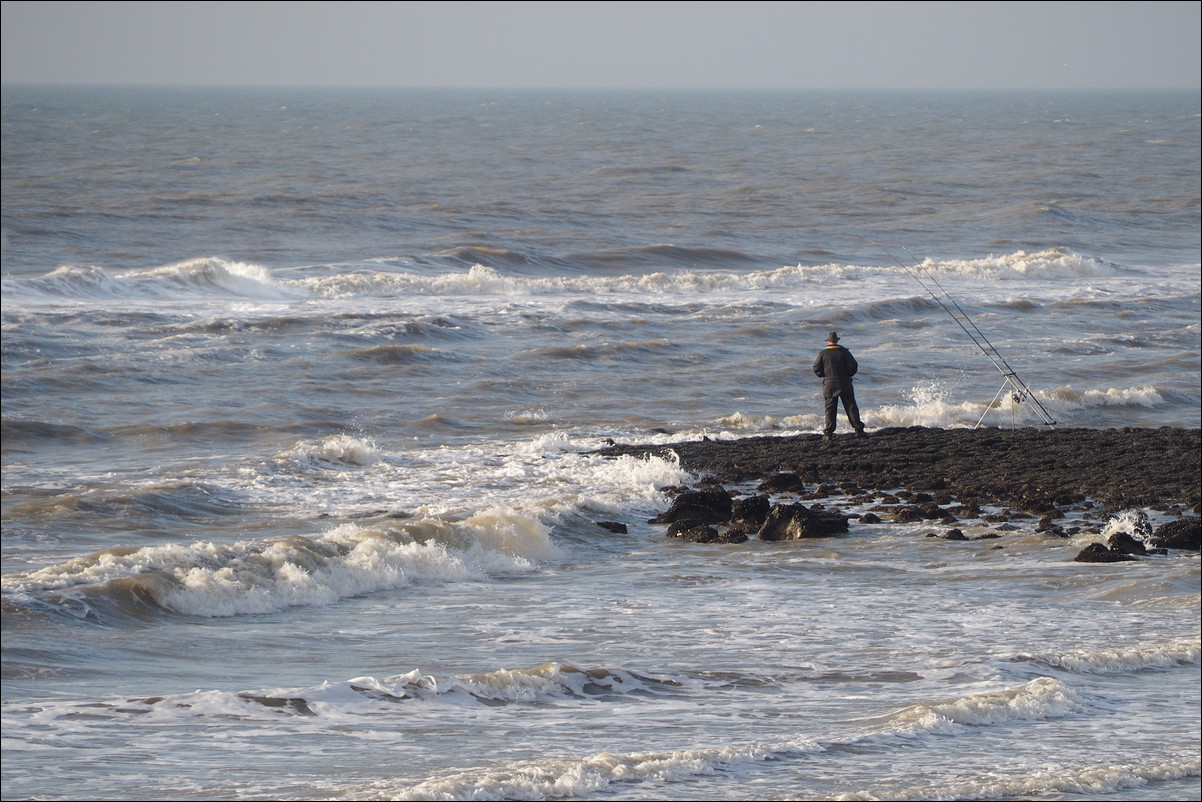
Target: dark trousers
{"points": [[832, 393]]}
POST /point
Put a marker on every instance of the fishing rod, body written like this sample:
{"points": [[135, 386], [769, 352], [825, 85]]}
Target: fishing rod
{"points": [[1021, 392]]}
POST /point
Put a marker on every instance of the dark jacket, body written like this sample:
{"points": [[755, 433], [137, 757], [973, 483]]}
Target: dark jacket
{"points": [[835, 365]]}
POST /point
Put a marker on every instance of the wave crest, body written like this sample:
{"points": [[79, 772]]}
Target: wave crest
{"points": [[335, 450], [1140, 657], [250, 577], [203, 277]]}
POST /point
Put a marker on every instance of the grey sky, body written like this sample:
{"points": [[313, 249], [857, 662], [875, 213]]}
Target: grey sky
{"points": [[655, 44]]}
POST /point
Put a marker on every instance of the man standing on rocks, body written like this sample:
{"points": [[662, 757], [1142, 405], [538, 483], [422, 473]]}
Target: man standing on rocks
{"points": [[835, 366]]}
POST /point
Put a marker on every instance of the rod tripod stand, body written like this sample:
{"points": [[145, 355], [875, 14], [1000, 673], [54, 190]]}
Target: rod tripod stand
{"points": [[1022, 393]]}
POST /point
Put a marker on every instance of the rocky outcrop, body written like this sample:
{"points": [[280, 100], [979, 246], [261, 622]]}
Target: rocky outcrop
{"points": [[711, 515], [1032, 470], [797, 522], [1184, 534], [1100, 553], [918, 474], [708, 506]]}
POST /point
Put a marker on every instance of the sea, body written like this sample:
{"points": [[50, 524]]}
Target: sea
{"points": [[304, 392]]}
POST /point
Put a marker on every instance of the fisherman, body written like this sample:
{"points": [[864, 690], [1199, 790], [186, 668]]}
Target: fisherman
{"points": [[835, 366]]}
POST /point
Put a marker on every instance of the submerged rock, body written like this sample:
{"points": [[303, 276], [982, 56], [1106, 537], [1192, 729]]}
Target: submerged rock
{"points": [[796, 522], [1100, 553], [1124, 543]]}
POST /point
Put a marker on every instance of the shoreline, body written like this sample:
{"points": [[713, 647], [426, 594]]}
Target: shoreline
{"points": [[1032, 470]]}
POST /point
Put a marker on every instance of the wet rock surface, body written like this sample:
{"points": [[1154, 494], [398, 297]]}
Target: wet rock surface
{"points": [[1035, 470], [940, 476]]}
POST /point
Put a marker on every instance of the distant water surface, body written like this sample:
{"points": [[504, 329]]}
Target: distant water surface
{"points": [[301, 391]]}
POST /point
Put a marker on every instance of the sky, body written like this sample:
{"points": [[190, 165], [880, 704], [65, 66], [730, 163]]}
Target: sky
{"points": [[747, 45]]}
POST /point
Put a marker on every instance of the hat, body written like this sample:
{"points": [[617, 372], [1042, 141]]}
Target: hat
{"points": [[833, 337]]}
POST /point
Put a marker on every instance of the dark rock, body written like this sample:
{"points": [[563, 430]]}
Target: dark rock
{"points": [[677, 528], [1123, 543], [795, 522], [1184, 534], [784, 482], [932, 511], [612, 526], [699, 534], [1142, 526], [1099, 553], [751, 511], [708, 506], [955, 534], [1037, 469], [1047, 525], [707, 534], [1024, 472], [1040, 506], [869, 518]]}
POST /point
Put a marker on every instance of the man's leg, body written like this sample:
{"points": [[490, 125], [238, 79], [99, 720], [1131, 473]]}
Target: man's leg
{"points": [[852, 409], [832, 412]]}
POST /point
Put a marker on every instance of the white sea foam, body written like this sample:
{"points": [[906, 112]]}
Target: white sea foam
{"points": [[545, 683], [546, 477], [487, 280], [246, 577], [1094, 780], [1066, 398], [934, 405], [337, 449], [1039, 699], [1053, 264], [556, 778], [1138, 657], [559, 777], [189, 279], [1132, 522]]}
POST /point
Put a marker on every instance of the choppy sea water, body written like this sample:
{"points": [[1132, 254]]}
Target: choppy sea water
{"points": [[302, 390]]}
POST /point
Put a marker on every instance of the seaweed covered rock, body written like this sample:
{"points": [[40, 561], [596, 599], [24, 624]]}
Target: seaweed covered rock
{"points": [[1101, 553], [797, 522], [708, 506], [1124, 543], [1184, 534], [1030, 469]]}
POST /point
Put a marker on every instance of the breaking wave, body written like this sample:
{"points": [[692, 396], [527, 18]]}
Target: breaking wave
{"points": [[1139, 657], [252, 577], [190, 278]]}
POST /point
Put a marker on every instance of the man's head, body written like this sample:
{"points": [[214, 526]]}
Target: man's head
{"points": [[832, 338]]}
